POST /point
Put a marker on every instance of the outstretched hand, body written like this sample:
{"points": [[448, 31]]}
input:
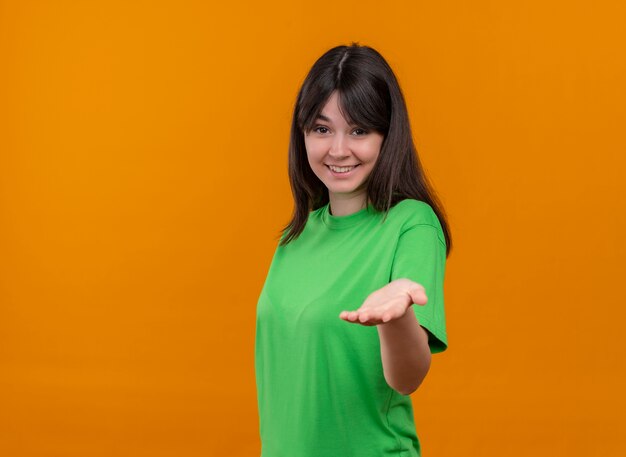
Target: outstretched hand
{"points": [[387, 303]]}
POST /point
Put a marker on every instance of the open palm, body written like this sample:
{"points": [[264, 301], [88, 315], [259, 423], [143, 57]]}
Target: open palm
{"points": [[387, 303]]}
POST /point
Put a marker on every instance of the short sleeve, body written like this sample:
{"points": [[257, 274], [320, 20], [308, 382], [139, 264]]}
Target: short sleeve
{"points": [[421, 257]]}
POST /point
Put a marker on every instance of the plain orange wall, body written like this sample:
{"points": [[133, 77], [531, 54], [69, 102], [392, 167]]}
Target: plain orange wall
{"points": [[143, 182]]}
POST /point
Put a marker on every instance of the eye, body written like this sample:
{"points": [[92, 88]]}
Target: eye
{"points": [[363, 132], [320, 129]]}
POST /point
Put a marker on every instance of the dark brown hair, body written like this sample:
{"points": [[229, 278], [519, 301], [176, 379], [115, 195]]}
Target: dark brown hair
{"points": [[369, 96]]}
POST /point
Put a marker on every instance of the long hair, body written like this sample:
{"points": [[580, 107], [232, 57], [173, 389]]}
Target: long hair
{"points": [[369, 96]]}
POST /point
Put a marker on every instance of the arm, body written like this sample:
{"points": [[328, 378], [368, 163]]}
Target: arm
{"points": [[405, 353], [406, 346]]}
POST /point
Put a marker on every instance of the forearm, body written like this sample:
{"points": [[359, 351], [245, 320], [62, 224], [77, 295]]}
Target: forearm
{"points": [[405, 353]]}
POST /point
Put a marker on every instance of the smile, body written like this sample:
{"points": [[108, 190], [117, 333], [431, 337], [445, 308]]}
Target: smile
{"points": [[341, 169]]}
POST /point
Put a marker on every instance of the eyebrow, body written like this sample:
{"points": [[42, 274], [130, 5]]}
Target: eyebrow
{"points": [[326, 119]]}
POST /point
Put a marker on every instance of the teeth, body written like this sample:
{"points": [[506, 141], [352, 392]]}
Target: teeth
{"points": [[340, 169]]}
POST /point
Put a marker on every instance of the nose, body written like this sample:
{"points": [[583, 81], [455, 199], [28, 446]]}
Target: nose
{"points": [[339, 147]]}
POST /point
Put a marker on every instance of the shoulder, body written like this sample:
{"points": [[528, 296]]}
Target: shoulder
{"points": [[411, 214], [415, 212]]}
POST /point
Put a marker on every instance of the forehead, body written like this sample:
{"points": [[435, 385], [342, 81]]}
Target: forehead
{"points": [[332, 112]]}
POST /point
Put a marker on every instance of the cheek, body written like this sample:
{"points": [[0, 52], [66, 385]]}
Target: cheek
{"points": [[313, 150], [312, 159], [371, 152], [376, 144]]}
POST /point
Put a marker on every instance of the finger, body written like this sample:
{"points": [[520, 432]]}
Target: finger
{"points": [[368, 323], [418, 295]]}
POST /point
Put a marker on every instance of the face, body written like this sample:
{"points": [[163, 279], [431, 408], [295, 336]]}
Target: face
{"points": [[342, 156]]}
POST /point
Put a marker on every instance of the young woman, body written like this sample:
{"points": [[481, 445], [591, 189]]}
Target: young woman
{"points": [[352, 307]]}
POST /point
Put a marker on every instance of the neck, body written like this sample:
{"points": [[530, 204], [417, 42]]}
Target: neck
{"points": [[340, 206]]}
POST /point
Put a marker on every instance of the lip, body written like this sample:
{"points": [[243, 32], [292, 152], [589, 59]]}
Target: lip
{"points": [[343, 175]]}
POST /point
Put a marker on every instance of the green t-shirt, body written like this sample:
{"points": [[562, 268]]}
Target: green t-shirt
{"points": [[320, 385]]}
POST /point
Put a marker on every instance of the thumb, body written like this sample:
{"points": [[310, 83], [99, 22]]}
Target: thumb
{"points": [[418, 295]]}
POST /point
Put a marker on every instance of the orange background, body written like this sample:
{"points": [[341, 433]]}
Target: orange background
{"points": [[143, 181]]}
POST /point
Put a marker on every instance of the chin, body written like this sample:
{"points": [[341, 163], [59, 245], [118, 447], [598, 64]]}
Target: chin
{"points": [[343, 190]]}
